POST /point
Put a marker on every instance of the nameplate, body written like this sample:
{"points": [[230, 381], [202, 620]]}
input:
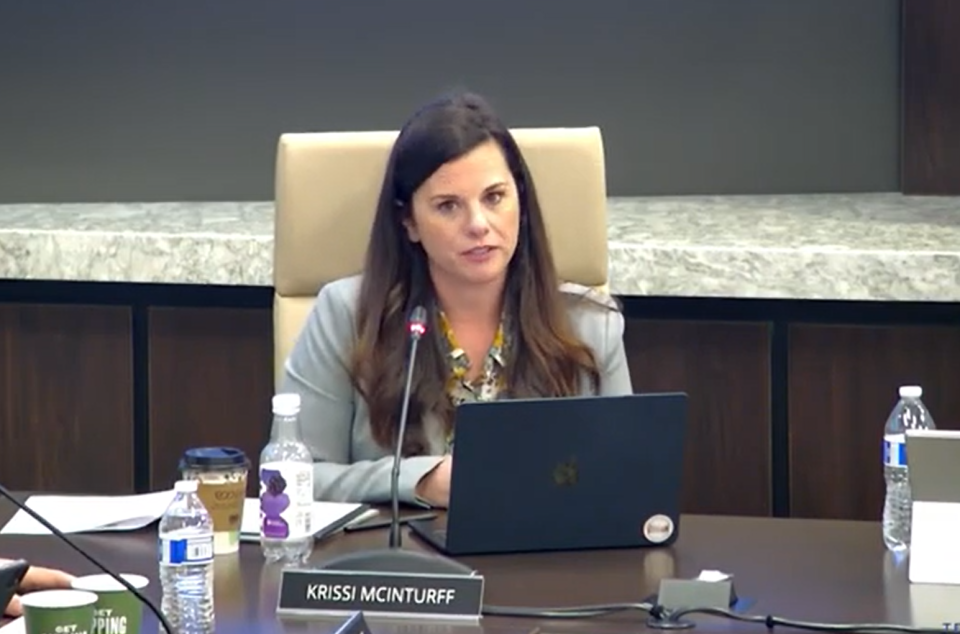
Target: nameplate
{"points": [[305, 592], [934, 548]]}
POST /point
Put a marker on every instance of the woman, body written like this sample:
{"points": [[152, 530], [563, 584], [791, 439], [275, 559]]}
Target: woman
{"points": [[37, 578], [458, 229]]}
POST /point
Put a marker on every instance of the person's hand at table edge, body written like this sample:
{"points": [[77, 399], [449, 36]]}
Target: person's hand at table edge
{"points": [[38, 578]]}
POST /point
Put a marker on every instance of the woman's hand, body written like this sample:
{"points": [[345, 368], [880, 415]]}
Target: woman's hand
{"points": [[38, 578], [434, 488]]}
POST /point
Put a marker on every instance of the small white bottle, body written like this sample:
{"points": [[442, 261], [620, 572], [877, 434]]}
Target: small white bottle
{"points": [[286, 487], [186, 562]]}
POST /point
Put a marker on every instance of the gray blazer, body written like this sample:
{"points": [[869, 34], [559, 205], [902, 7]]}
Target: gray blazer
{"points": [[349, 465]]}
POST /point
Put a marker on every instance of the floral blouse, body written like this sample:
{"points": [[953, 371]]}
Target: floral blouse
{"points": [[488, 385]]}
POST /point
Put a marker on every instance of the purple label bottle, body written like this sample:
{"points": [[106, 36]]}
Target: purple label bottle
{"points": [[286, 487]]}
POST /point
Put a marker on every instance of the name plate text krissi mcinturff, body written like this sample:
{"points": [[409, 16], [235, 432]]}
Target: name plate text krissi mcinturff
{"points": [[305, 592]]}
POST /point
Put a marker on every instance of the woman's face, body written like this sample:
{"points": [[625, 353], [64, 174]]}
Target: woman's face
{"points": [[466, 216]]}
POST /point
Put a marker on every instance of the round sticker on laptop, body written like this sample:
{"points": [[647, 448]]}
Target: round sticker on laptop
{"points": [[658, 529]]}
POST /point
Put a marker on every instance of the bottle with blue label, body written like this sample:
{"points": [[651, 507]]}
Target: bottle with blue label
{"points": [[908, 413], [186, 562]]}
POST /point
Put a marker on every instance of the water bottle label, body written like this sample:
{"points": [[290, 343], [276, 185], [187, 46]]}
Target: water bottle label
{"points": [[286, 500], [188, 550], [894, 451]]}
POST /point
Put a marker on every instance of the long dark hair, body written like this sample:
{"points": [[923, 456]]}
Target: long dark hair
{"points": [[545, 358]]}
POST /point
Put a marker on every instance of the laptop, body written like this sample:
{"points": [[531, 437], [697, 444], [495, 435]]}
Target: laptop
{"points": [[934, 459], [568, 473]]}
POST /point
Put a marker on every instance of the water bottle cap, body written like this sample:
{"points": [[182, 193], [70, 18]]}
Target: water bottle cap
{"points": [[911, 391], [286, 404], [185, 486]]}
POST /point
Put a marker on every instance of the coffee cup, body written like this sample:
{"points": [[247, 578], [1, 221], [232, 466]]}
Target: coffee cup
{"points": [[221, 474], [58, 611], [117, 611]]}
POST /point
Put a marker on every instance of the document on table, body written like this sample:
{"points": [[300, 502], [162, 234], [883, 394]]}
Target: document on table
{"points": [[92, 514], [89, 513], [328, 517]]}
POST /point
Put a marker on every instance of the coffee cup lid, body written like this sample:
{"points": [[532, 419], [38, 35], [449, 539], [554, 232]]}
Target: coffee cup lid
{"points": [[214, 458]]}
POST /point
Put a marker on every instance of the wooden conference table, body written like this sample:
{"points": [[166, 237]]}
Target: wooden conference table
{"points": [[810, 570]]}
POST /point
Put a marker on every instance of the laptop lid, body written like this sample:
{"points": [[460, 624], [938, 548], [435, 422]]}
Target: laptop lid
{"points": [[566, 473]]}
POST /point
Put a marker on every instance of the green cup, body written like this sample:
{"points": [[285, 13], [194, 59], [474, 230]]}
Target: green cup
{"points": [[58, 612], [117, 611]]}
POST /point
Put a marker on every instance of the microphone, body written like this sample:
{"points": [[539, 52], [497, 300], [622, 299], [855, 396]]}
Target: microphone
{"points": [[416, 327], [164, 623], [395, 559]]}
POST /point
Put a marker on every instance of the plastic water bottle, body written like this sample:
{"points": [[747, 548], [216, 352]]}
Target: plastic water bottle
{"points": [[908, 413], [286, 487], [186, 562]]}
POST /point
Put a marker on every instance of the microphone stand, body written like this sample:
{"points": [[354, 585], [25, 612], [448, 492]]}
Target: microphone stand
{"points": [[394, 558], [164, 623], [416, 331]]}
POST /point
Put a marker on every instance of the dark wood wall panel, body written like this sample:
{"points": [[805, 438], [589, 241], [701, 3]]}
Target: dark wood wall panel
{"points": [[725, 369], [930, 151], [66, 398], [843, 382], [210, 382]]}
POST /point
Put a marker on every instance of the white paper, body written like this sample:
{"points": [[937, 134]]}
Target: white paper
{"points": [[932, 605], [713, 575], [934, 548], [16, 626], [325, 514], [89, 513]]}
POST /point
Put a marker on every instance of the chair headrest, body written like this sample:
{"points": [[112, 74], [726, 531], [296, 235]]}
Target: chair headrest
{"points": [[328, 183]]}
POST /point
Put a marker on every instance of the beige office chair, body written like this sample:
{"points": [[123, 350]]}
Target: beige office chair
{"points": [[327, 185]]}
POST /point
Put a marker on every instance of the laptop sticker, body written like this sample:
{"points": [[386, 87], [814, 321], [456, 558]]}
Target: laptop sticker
{"points": [[658, 528]]}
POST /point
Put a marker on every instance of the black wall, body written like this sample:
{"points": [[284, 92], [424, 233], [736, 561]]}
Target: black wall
{"points": [[183, 100]]}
